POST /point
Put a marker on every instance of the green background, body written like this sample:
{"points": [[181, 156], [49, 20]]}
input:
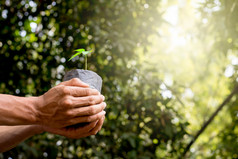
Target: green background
{"points": [[166, 66]]}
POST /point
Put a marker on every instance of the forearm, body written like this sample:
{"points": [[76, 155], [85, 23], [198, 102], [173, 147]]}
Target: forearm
{"points": [[10, 136], [17, 110]]}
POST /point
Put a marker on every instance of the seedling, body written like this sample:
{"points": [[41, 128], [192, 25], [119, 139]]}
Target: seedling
{"points": [[81, 51]]}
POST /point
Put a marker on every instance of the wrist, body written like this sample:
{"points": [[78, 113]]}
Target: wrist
{"points": [[34, 106]]}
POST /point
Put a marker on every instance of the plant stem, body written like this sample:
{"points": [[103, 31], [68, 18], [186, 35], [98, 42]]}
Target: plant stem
{"points": [[85, 62]]}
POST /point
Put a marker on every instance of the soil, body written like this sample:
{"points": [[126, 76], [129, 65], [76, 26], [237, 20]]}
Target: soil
{"points": [[87, 76]]}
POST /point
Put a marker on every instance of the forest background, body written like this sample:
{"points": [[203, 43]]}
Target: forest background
{"points": [[167, 66]]}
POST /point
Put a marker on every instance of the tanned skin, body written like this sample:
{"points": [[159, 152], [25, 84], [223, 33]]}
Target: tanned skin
{"points": [[66, 104]]}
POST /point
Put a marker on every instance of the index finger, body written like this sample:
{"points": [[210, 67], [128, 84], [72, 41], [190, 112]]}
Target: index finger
{"points": [[80, 91], [74, 82]]}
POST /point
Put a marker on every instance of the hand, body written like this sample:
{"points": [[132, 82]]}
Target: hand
{"points": [[69, 103], [91, 129]]}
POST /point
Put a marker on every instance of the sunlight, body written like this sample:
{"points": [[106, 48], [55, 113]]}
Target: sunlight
{"points": [[172, 17], [184, 56], [176, 38], [229, 71], [181, 17]]}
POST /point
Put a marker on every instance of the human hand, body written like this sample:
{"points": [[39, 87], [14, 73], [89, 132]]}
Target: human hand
{"points": [[69, 103], [91, 129]]}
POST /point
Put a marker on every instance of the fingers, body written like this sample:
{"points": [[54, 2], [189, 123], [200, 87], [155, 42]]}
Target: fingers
{"points": [[76, 91], [98, 127], [88, 127], [74, 82], [91, 129], [71, 132], [80, 92], [87, 101], [87, 119], [103, 119], [89, 110], [76, 102]]}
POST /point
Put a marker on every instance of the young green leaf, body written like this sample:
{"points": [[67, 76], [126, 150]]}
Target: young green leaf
{"points": [[78, 53], [80, 50]]}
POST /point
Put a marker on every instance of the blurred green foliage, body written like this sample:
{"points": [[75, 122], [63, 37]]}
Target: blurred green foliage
{"points": [[159, 87]]}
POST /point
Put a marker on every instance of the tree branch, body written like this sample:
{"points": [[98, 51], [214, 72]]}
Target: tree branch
{"points": [[226, 101]]}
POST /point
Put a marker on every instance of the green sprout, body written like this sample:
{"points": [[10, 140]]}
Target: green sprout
{"points": [[81, 51]]}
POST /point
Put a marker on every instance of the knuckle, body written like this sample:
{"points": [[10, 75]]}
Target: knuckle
{"points": [[75, 80], [92, 110], [91, 100], [87, 91], [71, 122], [67, 102], [65, 90], [89, 119], [69, 114]]}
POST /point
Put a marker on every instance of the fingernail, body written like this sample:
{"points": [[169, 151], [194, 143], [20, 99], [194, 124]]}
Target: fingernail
{"points": [[104, 112], [105, 104], [103, 97]]}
